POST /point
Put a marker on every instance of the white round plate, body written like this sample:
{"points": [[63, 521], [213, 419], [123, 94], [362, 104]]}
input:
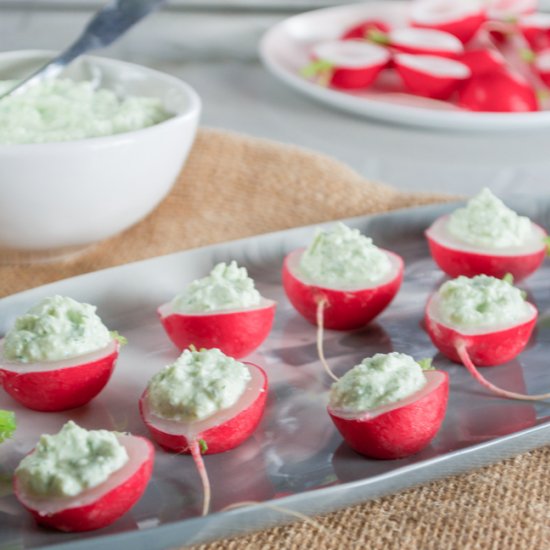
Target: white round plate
{"points": [[284, 50]]}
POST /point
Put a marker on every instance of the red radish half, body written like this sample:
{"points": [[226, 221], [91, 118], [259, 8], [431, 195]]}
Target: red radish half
{"points": [[345, 308], [400, 429], [536, 30], [542, 66], [483, 60], [58, 385], [455, 257], [461, 19], [101, 505], [362, 30], [222, 431], [505, 10], [423, 42], [348, 64], [487, 347], [501, 91], [236, 332], [429, 75], [218, 433]]}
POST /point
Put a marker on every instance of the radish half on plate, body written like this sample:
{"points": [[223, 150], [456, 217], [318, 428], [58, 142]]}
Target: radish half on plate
{"points": [[236, 332], [461, 19], [98, 506], [487, 346], [343, 308], [221, 431], [456, 257], [397, 429], [58, 385], [346, 64]]}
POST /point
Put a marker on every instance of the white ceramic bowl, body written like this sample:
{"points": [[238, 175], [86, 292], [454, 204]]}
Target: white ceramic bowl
{"points": [[62, 196]]}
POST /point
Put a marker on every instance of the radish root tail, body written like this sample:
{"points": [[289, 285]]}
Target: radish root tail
{"points": [[472, 369], [201, 468], [321, 305]]}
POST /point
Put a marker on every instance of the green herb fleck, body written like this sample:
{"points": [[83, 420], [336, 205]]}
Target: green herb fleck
{"points": [[378, 37], [426, 364], [320, 70], [118, 337], [203, 446], [7, 425], [527, 55], [508, 278]]}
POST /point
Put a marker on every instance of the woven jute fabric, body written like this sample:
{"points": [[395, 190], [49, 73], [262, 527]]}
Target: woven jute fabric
{"points": [[233, 186]]}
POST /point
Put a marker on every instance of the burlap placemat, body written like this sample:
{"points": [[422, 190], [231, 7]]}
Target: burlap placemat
{"points": [[233, 187]]}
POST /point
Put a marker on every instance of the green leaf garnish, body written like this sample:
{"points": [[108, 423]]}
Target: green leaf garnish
{"points": [[527, 55], [203, 446], [378, 37], [508, 278], [7, 425], [426, 364], [319, 69], [118, 337], [546, 241]]}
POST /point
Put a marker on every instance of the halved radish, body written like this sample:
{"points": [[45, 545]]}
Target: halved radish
{"points": [[483, 60], [455, 257], [421, 42], [220, 432], [347, 64], [98, 506], [344, 308], [500, 91], [362, 30], [535, 28], [58, 385], [429, 75], [461, 19], [236, 332], [487, 347], [506, 10], [542, 66], [399, 429]]}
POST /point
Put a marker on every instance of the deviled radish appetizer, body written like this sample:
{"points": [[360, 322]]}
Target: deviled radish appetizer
{"points": [[347, 64], [79, 480], [223, 310], [204, 403], [59, 355], [481, 320], [487, 237], [387, 406], [343, 275]]}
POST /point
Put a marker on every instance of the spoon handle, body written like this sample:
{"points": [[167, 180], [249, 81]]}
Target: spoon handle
{"points": [[109, 23]]}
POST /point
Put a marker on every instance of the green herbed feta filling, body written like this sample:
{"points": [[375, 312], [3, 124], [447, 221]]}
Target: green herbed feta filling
{"points": [[227, 287], [197, 385], [487, 221], [56, 328], [479, 302], [342, 257], [71, 461], [66, 110], [379, 380]]}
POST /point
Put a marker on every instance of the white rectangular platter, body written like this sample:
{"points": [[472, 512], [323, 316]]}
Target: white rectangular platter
{"points": [[296, 456]]}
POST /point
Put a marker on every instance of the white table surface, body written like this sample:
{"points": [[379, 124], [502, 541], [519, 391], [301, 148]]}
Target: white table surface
{"points": [[215, 50]]}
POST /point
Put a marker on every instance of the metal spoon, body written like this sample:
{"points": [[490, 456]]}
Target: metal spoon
{"points": [[112, 21]]}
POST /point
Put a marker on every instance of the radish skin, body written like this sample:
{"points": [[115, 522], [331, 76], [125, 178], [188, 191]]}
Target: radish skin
{"points": [[345, 309], [82, 513], [400, 429], [236, 333], [60, 385]]}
